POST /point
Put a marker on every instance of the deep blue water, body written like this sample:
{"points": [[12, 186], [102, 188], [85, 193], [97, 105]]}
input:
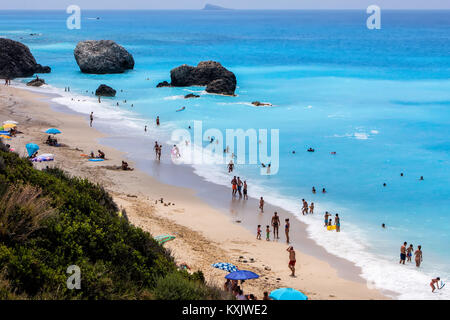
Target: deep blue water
{"points": [[379, 98]]}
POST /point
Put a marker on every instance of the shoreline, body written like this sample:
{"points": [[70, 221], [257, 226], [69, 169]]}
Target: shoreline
{"points": [[199, 214]]}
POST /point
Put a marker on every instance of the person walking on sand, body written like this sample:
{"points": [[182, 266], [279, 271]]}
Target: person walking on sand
{"points": [[275, 225], [337, 222], [409, 252], [156, 147], [159, 152], [258, 232], [261, 204], [91, 117], [403, 253], [418, 256], [292, 260], [245, 190], [286, 230]]}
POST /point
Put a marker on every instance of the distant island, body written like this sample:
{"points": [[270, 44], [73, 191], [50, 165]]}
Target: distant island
{"points": [[214, 7]]}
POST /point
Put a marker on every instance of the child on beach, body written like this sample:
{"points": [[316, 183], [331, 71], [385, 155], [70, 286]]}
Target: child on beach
{"points": [[267, 233], [409, 252], [311, 208], [258, 232], [261, 204]]}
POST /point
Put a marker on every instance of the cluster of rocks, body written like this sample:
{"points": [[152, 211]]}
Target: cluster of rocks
{"points": [[211, 74], [105, 57], [16, 61]]}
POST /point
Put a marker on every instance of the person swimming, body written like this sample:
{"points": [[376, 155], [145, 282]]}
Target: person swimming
{"points": [[310, 150], [181, 109]]}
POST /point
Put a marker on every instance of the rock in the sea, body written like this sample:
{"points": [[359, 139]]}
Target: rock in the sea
{"points": [[16, 60], [258, 104], [163, 84], [36, 82], [102, 57], [211, 74], [105, 91], [191, 95]]}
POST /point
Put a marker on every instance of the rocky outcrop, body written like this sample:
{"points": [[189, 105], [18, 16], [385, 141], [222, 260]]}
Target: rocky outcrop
{"points": [[191, 95], [16, 61], [259, 104], [163, 84], [102, 57], [105, 91], [36, 82], [211, 74]]}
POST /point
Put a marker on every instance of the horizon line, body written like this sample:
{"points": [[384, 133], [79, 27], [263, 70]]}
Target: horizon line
{"points": [[231, 9]]}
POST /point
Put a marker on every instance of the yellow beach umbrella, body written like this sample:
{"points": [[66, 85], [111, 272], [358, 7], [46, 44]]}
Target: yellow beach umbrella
{"points": [[5, 137], [9, 125]]}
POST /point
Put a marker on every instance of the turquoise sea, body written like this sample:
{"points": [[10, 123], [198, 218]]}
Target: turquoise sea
{"points": [[380, 99]]}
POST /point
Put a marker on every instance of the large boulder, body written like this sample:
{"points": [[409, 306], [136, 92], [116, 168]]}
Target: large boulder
{"points": [[36, 82], [105, 91], [102, 56], [211, 74], [16, 61]]}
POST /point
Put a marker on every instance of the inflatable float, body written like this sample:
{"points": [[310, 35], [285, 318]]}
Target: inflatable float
{"points": [[329, 228]]}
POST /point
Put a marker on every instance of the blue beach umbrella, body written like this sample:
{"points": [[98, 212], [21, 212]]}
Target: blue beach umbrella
{"points": [[31, 148], [287, 294], [53, 131], [225, 266], [241, 275]]}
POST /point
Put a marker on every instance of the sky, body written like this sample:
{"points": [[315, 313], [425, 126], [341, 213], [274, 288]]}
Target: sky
{"points": [[235, 4]]}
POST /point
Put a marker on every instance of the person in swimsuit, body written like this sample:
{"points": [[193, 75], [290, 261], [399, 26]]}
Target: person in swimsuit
{"points": [[159, 151], [337, 222], [230, 166], [245, 190], [286, 229], [157, 120], [326, 218], [313, 190], [292, 260], [409, 252], [311, 208], [403, 253], [261, 204], [91, 117], [418, 256], [258, 232], [275, 225], [434, 282], [239, 186], [233, 186], [267, 233]]}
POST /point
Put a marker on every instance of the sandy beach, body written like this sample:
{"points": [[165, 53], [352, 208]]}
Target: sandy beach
{"points": [[205, 233]]}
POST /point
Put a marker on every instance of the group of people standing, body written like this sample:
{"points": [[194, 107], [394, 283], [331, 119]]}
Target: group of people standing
{"points": [[328, 221], [305, 207], [7, 82], [239, 186], [407, 252]]}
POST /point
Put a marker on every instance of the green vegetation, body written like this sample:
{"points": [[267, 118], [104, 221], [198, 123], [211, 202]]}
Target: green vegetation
{"points": [[49, 221]]}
